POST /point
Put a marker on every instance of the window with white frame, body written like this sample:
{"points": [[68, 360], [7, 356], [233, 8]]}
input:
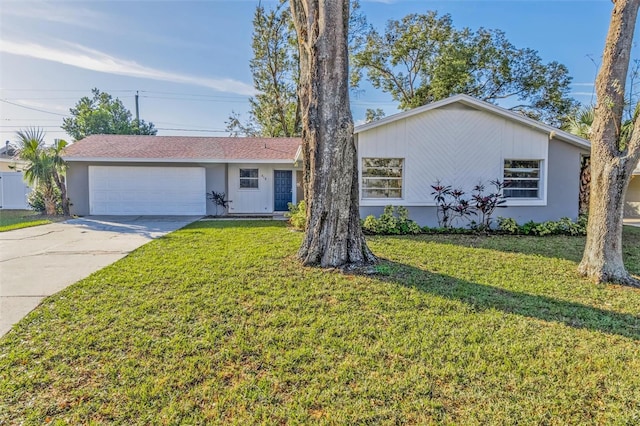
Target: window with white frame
{"points": [[382, 177], [522, 178], [248, 178]]}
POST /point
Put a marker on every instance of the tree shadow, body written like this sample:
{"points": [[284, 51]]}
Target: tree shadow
{"points": [[562, 247], [484, 297], [236, 223]]}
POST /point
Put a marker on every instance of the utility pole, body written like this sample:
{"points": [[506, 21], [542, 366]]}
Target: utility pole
{"points": [[137, 114], [137, 109]]}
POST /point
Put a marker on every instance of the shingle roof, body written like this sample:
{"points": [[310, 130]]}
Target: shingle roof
{"points": [[188, 148]]}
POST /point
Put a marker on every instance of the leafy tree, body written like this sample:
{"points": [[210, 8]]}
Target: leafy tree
{"points": [[237, 128], [333, 236], [614, 155], [101, 114], [45, 168], [275, 110], [422, 58], [373, 115]]}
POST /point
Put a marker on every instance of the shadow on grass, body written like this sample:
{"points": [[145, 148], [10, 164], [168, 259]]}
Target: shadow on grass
{"points": [[236, 223], [484, 297], [563, 247]]}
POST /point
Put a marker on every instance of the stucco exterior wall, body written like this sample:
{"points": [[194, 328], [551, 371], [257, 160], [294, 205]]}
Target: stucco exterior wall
{"points": [[260, 200], [78, 182], [78, 188], [632, 198]]}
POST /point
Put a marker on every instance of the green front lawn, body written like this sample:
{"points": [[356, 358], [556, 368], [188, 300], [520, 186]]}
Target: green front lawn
{"points": [[217, 323], [16, 219]]}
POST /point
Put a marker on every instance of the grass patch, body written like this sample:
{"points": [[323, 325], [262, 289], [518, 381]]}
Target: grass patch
{"points": [[16, 219], [217, 323]]}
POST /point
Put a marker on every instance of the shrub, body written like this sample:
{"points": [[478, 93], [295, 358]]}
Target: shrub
{"points": [[564, 226], [297, 215], [371, 225], [486, 204], [219, 199], [36, 200], [450, 205], [508, 225], [391, 222]]}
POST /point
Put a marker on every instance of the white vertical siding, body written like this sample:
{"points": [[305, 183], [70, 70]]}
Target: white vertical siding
{"points": [[457, 145]]}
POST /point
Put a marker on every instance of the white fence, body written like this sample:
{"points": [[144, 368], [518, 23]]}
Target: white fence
{"points": [[13, 191]]}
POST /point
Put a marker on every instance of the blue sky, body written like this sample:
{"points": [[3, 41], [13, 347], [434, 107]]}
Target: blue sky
{"points": [[189, 60]]}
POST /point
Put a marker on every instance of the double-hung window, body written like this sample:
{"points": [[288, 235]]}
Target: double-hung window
{"points": [[522, 178], [382, 177], [248, 178]]}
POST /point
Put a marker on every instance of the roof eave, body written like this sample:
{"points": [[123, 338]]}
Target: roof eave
{"points": [[175, 160]]}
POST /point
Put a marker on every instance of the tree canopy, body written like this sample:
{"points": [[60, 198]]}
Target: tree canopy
{"points": [[275, 110], [101, 114], [423, 58]]}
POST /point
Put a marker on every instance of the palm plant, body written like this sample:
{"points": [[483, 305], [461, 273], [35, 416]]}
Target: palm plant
{"points": [[580, 123], [45, 167]]}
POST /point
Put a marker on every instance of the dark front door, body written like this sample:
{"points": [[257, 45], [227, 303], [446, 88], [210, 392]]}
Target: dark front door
{"points": [[282, 190]]}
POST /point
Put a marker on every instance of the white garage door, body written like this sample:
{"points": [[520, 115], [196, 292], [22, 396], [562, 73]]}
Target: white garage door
{"points": [[124, 190]]}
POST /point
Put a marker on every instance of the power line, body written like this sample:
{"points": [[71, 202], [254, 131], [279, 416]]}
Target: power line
{"points": [[31, 108], [40, 99], [62, 90], [235, 100], [193, 130], [200, 95], [30, 119], [19, 127]]}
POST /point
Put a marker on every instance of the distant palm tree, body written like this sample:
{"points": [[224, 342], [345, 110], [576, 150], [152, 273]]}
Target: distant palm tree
{"points": [[580, 123], [45, 167]]}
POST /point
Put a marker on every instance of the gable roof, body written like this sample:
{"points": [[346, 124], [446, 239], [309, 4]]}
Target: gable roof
{"points": [[139, 148], [482, 106]]}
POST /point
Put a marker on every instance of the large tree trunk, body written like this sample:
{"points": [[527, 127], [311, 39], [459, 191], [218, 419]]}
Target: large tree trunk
{"points": [[612, 160], [49, 200], [62, 186], [333, 235], [585, 184]]}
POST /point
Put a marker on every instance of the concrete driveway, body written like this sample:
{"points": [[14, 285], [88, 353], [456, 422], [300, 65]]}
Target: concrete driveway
{"points": [[632, 222], [40, 261]]}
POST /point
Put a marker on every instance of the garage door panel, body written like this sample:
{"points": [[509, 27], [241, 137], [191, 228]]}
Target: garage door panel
{"points": [[129, 190]]}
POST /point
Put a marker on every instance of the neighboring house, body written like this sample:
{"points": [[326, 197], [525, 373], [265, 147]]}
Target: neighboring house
{"points": [[8, 159], [13, 189], [8, 164], [170, 175], [461, 141], [632, 199]]}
